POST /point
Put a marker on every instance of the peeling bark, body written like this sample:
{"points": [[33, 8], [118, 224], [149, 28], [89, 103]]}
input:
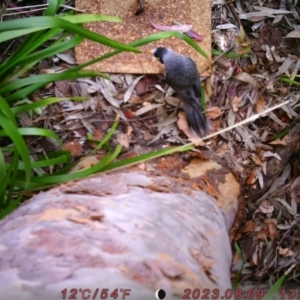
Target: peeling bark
{"points": [[123, 230]]}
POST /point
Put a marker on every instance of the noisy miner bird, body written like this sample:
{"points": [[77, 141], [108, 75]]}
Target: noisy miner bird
{"points": [[182, 75]]}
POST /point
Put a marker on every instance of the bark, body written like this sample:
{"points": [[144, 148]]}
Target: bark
{"points": [[123, 230]]}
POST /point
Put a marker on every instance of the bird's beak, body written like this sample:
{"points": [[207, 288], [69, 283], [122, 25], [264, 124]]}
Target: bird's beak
{"points": [[151, 51]]}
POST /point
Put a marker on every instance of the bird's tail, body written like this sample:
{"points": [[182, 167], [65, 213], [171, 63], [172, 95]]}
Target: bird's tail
{"points": [[195, 116]]}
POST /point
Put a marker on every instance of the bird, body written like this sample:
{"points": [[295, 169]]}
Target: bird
{"points": [[183, 77]]}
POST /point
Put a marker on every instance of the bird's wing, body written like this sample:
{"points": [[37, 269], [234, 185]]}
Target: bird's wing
{"points": [[195, 117], [197, 88]]}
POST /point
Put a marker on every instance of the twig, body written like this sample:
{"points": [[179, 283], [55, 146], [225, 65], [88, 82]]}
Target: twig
{"points": [[236, 17], [248, 120]]}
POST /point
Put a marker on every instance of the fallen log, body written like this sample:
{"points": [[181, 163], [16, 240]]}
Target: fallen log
{"points": [[122, 235]]}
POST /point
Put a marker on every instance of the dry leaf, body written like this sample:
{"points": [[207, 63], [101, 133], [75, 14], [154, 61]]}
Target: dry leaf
{"points": [[68, 58], [286, 252], [135, 99], [179, 28], [173, 101], [196, 140], [285, 66], [129, 130], [130, 89], [165, 130], [261, 105], [242, 76], [198, 167], [74, 147], [268, 10], [273, 232], [147, 108], [255, 256], [251, 178], [235, 103], [148, 136], [249, 227], [183, 125], [213, 112], [266, 207], [294, 34], [271, 154], [256, 160], [123, 140], [85, 163], [279, 142]]}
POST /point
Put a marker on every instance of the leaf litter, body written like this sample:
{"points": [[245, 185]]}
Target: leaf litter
{"points": [[243, 87], [262, 37]]}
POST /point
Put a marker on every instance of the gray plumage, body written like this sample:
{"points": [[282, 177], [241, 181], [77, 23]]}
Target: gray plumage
{"points": [[182, 75]]}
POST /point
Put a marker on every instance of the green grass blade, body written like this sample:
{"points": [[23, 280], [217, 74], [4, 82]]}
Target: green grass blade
{"points": [[12, 205], [90, 18], [238, 278], [16, 74], [23, 93], [50, 51], [4, 107], [35, 40], [282, 133], [274, 289], [163, 35], [32, 42], [78, 19], [42, 103], [108, 135], [203, 102], [43, 181], [46, 163], [54, 179], [52, 8], [12, 34], [149, 39], [44, 79], [144, 157], [229, 54], [3, 168], [32, 131], [115, 154], [30, 60], [10, 130], [38, 38], [57, 22], [290, 81]]}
